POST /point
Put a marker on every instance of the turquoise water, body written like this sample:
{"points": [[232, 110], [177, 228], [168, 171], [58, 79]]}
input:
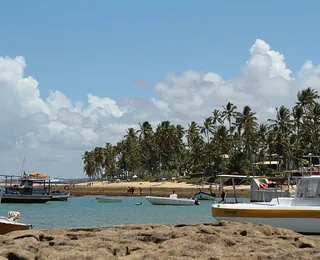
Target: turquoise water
{"points": [[87, 212]]}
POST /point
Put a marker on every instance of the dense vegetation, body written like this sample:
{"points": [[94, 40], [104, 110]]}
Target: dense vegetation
{"points": [[227, 141]]}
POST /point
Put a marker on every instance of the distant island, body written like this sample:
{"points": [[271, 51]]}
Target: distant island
{"points": [[228, 141]]}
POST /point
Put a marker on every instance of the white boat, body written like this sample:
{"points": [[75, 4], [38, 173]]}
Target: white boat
{"points": [[106, 199], [10, 223], [172, 200], [300, 213], [260, 190]]}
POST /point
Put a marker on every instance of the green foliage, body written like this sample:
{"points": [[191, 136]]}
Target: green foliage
{"points": [[229, 141]]}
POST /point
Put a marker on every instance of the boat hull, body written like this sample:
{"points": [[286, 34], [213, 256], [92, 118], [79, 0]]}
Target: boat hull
{"points": [[304, 226], [299, 219], [60, 197], [18, 198], [205, 196], [108, 200], [9, 227], [170, 201]]}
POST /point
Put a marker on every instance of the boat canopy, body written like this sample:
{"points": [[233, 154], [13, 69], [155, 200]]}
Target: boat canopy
{"points": [[38, 175], [237, 176], [52, 181]]}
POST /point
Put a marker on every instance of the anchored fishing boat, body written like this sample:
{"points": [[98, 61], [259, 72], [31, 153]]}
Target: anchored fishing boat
{"points": [[172, 200], [300, 213], [49, 188], [10, 223], [21, 190]]}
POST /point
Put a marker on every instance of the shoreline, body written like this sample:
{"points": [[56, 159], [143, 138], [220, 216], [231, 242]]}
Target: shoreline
{"points": [[225, 240], [146, 189]]}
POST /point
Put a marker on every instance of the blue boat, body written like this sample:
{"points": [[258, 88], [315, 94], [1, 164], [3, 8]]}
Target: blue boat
{"points": [[22, 192]]}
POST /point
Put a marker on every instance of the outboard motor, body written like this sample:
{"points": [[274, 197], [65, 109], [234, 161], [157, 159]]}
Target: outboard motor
{"points": [[196, 202]]}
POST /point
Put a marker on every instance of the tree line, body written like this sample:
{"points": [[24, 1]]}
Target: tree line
{"points": [[227, 141]]}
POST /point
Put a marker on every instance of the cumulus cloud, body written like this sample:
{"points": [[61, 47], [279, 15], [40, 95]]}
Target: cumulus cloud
{"points": [[53, 133]]}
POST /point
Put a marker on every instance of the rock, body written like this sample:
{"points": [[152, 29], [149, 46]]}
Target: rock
{"points": [[198, 241], [243, 233]]}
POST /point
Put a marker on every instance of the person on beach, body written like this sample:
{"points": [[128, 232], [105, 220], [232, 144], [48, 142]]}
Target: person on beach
{"points": [[223, 195]]}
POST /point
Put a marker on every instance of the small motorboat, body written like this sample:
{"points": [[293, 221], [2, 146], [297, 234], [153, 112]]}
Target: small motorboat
{"points": [[60, 196], [172, 200], [205, 196], [10, 223], [106, 199], [300, 214]]}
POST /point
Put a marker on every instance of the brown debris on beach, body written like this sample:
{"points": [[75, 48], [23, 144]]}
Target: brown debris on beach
{"points": [[199, 241]]}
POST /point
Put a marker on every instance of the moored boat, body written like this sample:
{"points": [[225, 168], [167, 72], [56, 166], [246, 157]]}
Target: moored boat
{"points": [[300, 213], [106, 199], [60, 196], [201, 195], [10, 223], [24, 198], [172, 200], [22, 192], [49, 187]]}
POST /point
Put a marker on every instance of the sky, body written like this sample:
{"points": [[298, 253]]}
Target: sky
{"points": [[77, 74]]}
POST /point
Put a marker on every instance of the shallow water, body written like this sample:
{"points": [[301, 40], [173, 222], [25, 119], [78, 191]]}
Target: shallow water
{"points": [[87, 212]]}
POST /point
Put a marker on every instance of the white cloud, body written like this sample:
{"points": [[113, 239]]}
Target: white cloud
{"points": [[53, 133]]}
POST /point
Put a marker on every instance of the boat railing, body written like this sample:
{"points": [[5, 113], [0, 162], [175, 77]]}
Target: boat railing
{"points": [[224, 200], [265, 190]]}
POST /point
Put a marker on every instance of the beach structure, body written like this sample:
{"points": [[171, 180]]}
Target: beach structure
{"points": [[300, 213]]}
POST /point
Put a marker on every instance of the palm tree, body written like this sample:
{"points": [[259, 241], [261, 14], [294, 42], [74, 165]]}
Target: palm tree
{"points": [[216, 117], [229, 111], [290, 134], [307, 98], [283, 127], [89, 162], [207, 128], [298, 114], [283, 122], [145, 130]]}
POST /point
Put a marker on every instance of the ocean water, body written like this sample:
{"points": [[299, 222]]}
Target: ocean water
{"points": [[87, 212]]}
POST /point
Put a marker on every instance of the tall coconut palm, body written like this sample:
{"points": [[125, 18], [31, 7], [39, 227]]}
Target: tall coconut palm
{"points": [[229, 111], [207, 128], [90, 167], [216, 117], [307, 98]]}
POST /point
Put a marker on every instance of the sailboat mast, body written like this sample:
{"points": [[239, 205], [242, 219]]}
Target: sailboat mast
{"points": [[22, 167]]}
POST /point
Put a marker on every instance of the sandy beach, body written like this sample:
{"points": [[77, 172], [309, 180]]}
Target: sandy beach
{"points": [[200, 241], [144, 188]]}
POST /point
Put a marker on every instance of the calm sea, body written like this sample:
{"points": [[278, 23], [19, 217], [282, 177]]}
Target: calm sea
{"points": [[87, 212]]}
